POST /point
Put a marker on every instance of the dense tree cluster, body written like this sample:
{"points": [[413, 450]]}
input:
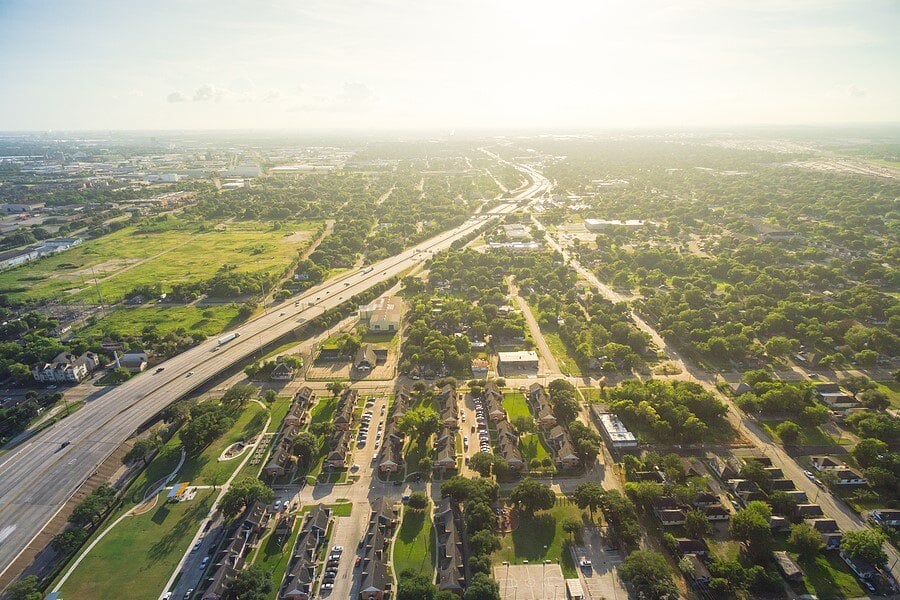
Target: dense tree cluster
{"points": [[673, 411]]}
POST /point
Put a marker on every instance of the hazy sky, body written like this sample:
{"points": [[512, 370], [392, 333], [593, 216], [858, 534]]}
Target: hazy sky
{"points": [[157, 64]]}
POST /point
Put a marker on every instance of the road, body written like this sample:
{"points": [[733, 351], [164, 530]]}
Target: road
{"points": [[39, 476]]}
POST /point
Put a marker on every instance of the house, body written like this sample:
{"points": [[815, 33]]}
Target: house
{"points": [[230, 559], [884, 516], [517, 362], [829, 530], [382, 314], [340, 444], [779, 523], [301, 572], [133, 361], [699, 574], [494, 402], [374, 583], [654, 476], [725, 468], [835, 397], [688, 546], [449, 411], [391, 456], [280, 462], [782, 484], [670, 517], [509, 450], [296, 415], [282, 372], [808, 511], [365, 359], [739, 388], [446, 449], [66, 368], [480, 368], [451, 547], [789, 569], [706, 499], [565, 457], [826, 463], [716, 513], [847, 476], [505, 430], [284, 525], [343, 417], [556, 436], [798, 496], [863, 569], [612, 430], [540, 405]]}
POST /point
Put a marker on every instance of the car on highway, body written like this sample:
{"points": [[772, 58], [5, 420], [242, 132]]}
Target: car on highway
{"points": [[188, 593], [197, 546], [166, 596], [189, 373], [160, 369], [64, 444], [204, 562]]}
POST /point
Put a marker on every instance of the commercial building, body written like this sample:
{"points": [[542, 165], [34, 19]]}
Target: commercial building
{"points": [[605, 224], [382, 314], [514, 362], [613, 431]]}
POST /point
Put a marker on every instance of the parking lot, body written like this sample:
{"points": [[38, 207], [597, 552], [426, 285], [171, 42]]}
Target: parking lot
{"points": [[601, 579]]}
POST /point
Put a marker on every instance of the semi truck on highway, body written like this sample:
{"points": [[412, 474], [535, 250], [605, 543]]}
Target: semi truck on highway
{"points": [[227, 338], [368, 270]]}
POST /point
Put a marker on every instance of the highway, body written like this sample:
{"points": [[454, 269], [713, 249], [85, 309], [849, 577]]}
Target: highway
{"points": [[37, 478]]}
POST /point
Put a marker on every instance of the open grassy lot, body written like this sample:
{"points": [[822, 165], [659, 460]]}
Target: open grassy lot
{"points": [[540, 537], [414, 548], [892, 389], [205, 468], [826, 575], [140, 553], [809, 436], [130, 321], [176, 252], [278, 410], [558, 348], [516, 406]]}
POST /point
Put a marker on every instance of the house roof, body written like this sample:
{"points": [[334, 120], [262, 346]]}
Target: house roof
{"points": [[365, 356]]}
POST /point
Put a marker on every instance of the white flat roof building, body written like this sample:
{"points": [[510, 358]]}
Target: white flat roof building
{"points": [[614, 431]]}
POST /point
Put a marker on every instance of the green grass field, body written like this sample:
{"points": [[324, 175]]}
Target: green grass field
{"points": [[140, 553], [826, 575], [540, 537], [566, 363], [414, 548], [130, 321], [809, 436], [273, 554], [278, 410], [531, 446], [892, 389], [516, 406], [179, 253], [205, 468]]}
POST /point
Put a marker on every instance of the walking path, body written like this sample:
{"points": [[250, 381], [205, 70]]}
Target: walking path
{"points": [[155, 490]]}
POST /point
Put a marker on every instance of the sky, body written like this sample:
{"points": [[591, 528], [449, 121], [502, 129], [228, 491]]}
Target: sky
{"points": [[404, 64]]}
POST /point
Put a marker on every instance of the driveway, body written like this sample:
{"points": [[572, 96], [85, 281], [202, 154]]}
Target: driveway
{"points": [[602, 579]]}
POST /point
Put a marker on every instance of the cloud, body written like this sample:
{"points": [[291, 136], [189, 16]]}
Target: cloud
{"points": [[207, 92], [354, 96], [854, 91], [175, 97]]}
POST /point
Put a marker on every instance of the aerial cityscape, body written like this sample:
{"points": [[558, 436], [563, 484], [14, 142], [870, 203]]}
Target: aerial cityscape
{"points": [[390, 301]]}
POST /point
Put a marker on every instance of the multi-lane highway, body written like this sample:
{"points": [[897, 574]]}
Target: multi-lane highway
{"points": [[37, 478]]}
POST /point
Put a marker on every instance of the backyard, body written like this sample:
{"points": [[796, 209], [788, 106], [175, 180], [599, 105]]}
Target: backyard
{"points": [[414, 548], [273, 554], [541, 537], [516, 406]]}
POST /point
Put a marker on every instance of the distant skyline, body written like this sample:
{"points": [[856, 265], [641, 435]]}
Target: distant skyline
{"points": [[391, 64]]}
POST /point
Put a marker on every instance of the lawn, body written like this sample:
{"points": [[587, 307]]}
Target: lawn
{"points": [[141, 552], [540, 537], [566, 363], [278, 410], [273, 556], [205, 468], [322, 412], [809, 436], [825, 575], [130, 321], [414, 547], [531, 446], [516, 406], [177, 252], [892, 389]]}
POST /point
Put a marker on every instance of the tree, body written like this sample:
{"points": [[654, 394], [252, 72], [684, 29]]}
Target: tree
{"points": [[523, 424], [696, 525], [530, 495], [484, 542], [142, 450], [589, 495], [788, 431], [649, 574], [571, 526], [782, 503], [481, 463], [336, 387], [270, 396], [751, 525], [238, 395], [418, 501], [69, 541], [305, 446], [865, 544], [28, 588], [482, 587], [815, 415], [412, 586], [252, 583], [868, 451], [480, 516], [874, 399], [779, 346], [806, 540], [245, 492]]}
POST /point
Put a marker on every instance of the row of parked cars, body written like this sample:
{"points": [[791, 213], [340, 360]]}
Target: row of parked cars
{"points": [[484, 438], [365, 421], [331, 567]]}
